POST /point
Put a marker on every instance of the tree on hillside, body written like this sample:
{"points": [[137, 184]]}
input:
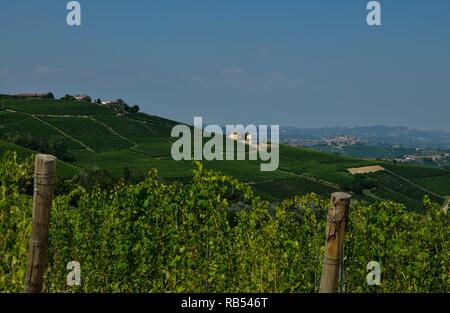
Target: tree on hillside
{"points": [[98, 101], [54, 145], [68, 97], [134, 109], [49, 96], [359, 183], [122, 105]]}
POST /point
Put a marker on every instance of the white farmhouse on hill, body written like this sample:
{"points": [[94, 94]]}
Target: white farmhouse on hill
{"points": [[109, 102], [81, 97], [234, 135]]}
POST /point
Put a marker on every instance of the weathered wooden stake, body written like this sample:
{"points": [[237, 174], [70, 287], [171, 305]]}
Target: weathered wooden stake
{"points": [[334, 248], [44, 176]]}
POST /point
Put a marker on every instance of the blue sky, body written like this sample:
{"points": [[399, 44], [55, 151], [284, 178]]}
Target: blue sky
{"points": [[294, 63]]}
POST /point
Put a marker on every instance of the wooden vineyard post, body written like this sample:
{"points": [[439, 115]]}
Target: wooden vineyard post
{"points": [[334, 248], [44, 177]]}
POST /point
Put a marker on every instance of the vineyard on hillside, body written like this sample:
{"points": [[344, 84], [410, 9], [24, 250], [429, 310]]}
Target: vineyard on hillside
{"points": [[397, 188], [87, 137], [213, 234]]}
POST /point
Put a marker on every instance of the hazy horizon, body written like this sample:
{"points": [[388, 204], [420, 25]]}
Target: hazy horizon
{"points": [[245, 123], [297, 64]]}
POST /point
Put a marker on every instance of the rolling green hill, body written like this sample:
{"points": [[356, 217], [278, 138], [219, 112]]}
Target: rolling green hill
{"points": [[95, 136], [65, 170]]}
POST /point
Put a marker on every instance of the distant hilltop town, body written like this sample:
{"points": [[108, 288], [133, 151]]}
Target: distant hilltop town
{"points": [[373, 149], [335, 141]]}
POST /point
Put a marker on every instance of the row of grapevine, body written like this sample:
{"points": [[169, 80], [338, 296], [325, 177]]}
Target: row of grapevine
{"points": [[214, 235], [394, 187]]}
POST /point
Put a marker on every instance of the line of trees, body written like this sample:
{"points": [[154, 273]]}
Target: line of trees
{"points": [[68, 97], [127, 108], [121, 106], [48, 95], [55, 146]]}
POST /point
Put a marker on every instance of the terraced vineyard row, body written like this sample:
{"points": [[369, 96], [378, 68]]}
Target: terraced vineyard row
{"points": [[411, 204], [94, 137], [392, 186], [88, 132]]}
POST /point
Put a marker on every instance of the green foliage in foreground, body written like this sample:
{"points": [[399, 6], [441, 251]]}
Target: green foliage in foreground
{"points": [[214, 235]]}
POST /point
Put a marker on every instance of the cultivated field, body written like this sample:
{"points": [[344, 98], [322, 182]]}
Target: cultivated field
{"points": [[96, 138]]}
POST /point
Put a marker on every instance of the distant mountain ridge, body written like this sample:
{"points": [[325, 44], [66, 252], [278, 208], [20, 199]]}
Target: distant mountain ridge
{"points": [[377, 134]]}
